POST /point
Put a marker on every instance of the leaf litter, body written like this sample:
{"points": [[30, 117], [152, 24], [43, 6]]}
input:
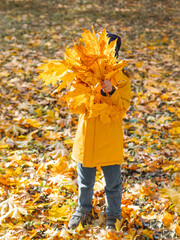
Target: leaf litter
{"points": [[38, 179]]}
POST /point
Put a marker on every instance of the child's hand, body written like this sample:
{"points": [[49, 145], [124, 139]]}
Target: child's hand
{"points": [[106, 85]]}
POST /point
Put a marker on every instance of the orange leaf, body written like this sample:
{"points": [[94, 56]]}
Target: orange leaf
{"points": [[177, 229], [167, 219]]}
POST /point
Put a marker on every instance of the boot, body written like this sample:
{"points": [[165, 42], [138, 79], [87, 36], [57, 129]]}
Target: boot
{"points": [[80, 215], [110, 222]]}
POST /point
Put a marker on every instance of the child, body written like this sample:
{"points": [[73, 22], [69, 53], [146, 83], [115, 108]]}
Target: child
{"points": [[98, 144]]}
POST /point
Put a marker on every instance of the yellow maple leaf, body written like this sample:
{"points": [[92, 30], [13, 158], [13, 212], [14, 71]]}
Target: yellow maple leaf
{"points": [[175, 130], [69, 77], [139, 64], [59, 213], [167, 219], [4, 146], [80, 227], [177, 229], [33, 232], [148, 233], [51, 71], [118, 224], [7, 180], [69, 142], [33, 122]]}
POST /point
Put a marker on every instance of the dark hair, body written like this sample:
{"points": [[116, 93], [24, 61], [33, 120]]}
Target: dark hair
{"points": [[118, 43]]}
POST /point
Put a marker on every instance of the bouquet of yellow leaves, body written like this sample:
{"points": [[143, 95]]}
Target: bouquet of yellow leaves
{"points": [[84, 66]]}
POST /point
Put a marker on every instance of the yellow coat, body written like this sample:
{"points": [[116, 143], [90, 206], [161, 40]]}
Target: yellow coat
{"points": [[98, 144]]}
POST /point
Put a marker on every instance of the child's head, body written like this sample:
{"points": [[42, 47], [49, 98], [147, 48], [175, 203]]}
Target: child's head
{"points": [[118, 43], [113, 37]]}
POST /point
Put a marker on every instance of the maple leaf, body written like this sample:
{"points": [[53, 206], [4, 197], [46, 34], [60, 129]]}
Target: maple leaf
{"points": [[7, 180], [15, 130], [79, 100], [177, 229], [78, 89], [9, 235], [52, 233], [59, 151], [59, 213], [4, 146], [63, 181], [51, 71], [11, 208], [69, 142], [65, 234], [98, 186], [148, 233], [80, 227], [173, 194], [69, 77], [32, 122], [167, 219], [155, 100], [56, 197], [118, 224], [90, 61], [111, 235]]}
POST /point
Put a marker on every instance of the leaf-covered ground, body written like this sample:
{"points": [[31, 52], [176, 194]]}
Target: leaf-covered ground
{"points": [[38, 186]]}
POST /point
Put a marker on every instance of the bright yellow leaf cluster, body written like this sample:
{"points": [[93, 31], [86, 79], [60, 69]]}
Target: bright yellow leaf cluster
{"points": [[85, 65]]}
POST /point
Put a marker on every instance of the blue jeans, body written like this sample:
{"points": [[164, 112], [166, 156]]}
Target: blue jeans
{"points": [[113, 188]]}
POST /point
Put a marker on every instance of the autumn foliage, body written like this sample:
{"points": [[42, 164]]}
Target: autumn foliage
{"points": [[86, 65], [38, 179]]}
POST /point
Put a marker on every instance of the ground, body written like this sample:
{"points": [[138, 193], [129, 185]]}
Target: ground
{"points": [[38, 186]]}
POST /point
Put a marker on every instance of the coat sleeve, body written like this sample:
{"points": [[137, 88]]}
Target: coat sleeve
{"points": [[122, 95], [75, 105]]}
